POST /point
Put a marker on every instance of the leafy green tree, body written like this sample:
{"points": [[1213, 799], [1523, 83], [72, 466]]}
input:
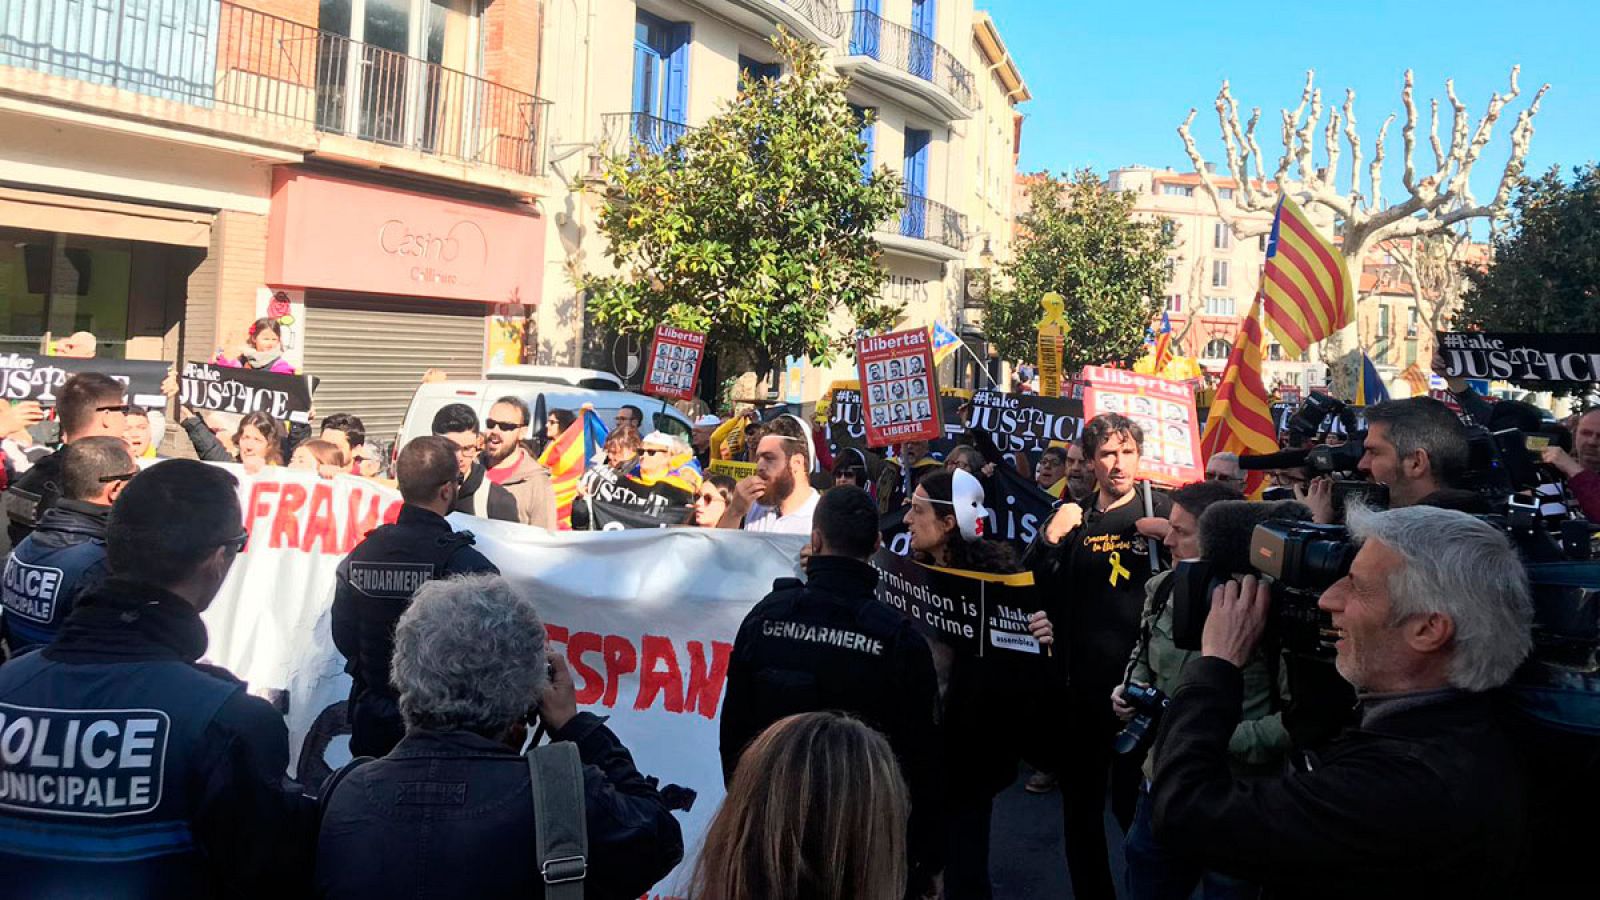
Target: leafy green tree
{"points": [[755, 229], [1081, 240], [1546, 271]]}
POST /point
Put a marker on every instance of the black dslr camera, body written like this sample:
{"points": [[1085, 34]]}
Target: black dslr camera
{"points": [[1148, 704], [1301, 559]]}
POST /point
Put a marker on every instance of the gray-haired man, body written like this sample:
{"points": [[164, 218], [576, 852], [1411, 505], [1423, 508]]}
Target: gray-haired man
{"points": [[1424, 796]]}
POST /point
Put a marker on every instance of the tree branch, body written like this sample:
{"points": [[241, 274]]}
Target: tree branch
{"points": [[1409, 133], [1376, 174], [1433, 134], [1354, 139]]}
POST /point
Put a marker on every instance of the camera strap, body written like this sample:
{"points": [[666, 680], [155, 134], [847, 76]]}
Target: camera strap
{"points": [[1158, 605], [561, 846]]}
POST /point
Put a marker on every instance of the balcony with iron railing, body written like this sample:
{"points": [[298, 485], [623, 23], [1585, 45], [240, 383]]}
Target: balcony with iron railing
{"points": [[926, 228], [910, 65], [818, 21], [220, 66], [623, 134]]}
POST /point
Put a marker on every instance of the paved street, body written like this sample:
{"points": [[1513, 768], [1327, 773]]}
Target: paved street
{"points": [[1026, 856]]}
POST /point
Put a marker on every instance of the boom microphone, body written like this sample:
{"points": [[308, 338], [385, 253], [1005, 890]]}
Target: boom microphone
{"points": [[1283, 459], [1226, 530]]}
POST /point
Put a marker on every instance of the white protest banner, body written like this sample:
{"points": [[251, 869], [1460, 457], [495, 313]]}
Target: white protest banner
{"points": [[647, 619]]}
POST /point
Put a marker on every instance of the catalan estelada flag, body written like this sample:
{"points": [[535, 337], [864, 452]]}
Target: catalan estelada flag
{"points": [[945, 342], [1240, 420], [568, 456], [1163, 345], [1369, 387], [1305, 289]]}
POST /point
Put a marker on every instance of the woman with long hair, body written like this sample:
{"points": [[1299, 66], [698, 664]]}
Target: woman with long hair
{"points": [[817, 810], [982, 706], [711, 501], [316, 455], [263, 349]]}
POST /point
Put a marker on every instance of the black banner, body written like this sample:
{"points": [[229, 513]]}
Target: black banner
{"points": [[616, 503], [970, 611], [1024, 423], [25, 376], [1539, 361], [1018, 509], [241, 391]]}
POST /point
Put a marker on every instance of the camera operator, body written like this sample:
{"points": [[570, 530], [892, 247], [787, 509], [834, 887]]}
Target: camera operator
{"points": [[1581, 468], [1415, 447], [1260, 741], [1423, 796]]}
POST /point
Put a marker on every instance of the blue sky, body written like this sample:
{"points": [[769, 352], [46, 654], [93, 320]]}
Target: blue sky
{"points": [[1112, 81]]}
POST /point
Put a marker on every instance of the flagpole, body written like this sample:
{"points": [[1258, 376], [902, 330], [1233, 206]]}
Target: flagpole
{"points": [[982, 365]]}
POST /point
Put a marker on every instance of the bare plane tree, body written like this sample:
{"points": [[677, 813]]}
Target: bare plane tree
{"points": [[1434, 201]]}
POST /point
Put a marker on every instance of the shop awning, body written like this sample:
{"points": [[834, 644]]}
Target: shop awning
{"points": [[64, 213]]}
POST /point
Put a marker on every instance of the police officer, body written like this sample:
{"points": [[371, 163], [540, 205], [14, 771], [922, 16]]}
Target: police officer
{"points": [[131, 771], [377, 579], [828, 644], [66, 554], [88, 404]]}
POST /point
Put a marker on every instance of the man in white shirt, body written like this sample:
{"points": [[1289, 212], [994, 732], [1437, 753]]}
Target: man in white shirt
{"points": [[778, 498]]}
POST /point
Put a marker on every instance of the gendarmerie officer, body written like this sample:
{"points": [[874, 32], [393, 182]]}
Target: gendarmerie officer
{"points": [[828, 643], [131, 770], [377, 579], [66, 555]]}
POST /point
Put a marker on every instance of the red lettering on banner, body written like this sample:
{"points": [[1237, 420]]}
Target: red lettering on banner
{"points": [[259, 505], [593, 685], [285, 530], [320, 525], [653, 680], [705, 687], [621, 659]]}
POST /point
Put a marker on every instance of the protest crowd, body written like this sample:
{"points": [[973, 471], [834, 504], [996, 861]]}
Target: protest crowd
{"points": [[1360, 666]]}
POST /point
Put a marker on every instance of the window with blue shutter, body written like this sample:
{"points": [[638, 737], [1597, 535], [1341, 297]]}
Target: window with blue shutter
{"points": [[753, 70], [865, 134], [913, 222]]}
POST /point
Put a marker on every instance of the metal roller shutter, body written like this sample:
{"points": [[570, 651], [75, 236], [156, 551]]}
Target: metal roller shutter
{"points": [[370, 353]]}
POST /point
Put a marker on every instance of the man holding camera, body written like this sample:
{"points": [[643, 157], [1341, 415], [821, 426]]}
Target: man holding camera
{"points": [[1415, 447], [1581, 467], [1423, 796]]}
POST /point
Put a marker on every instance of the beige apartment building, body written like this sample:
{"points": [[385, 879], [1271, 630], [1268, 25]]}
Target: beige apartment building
{"points": [[936, 74], [368, 172], [1212, 274]]}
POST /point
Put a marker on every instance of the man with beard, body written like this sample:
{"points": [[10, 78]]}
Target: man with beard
{"points": [[778, 498], [1080, 474], [512, 467], [1091, 564], [458, 424]]}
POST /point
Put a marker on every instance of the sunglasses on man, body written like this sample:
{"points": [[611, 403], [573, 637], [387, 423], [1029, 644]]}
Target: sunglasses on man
{"points": [[502, 426]]}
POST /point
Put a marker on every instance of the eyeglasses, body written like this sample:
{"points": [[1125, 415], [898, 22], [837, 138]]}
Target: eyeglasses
{"points": [[707, 498], [502, 426], [237, 544], [107, 479]]}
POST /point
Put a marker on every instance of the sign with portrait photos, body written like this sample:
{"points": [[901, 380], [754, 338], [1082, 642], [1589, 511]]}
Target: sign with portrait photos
{"points": [[675, 357], [1163, 410], [898, 391]]}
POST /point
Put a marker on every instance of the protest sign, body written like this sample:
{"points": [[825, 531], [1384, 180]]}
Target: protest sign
{"points": [[616, 502], [675, 358], [1052, 341], [1537, 361], [1163, 410], [1018, 508], [896, 371], [969, 611], [26, 376], [731, 468], [204, 386], [1024, 423], [840, 414], [648, 636]]}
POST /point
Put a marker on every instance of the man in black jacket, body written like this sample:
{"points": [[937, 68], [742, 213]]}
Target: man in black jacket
{"points": [[458, 424], [66, 555], [449, 812], [376, 581], [829, 644], [131, 770], [1424, 796], [87, 405]]}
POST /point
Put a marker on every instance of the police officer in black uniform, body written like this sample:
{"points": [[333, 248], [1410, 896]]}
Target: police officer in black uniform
{"points": [[828, 644], [66, 555], [88, 404], [132, 771], [377, 579]]}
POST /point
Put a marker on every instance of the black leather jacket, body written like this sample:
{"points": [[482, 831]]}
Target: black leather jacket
{"points": [[451, 815]]}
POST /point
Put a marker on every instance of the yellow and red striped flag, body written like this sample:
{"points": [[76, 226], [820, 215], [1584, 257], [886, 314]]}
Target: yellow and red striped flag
{"points": [[568, 456], [1240, 420], [1306, 288]]}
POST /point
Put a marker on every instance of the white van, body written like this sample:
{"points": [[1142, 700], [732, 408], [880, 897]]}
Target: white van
{"points": [[481, 394]]}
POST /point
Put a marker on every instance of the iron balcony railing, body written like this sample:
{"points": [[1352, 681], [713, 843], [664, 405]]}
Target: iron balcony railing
{"points": [[910, 51], [626, 133], [218, 55], [929, 220], [824, 14]]}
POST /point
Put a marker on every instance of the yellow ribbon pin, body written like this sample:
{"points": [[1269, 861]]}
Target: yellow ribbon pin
{"points": [[1117, 569]]}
